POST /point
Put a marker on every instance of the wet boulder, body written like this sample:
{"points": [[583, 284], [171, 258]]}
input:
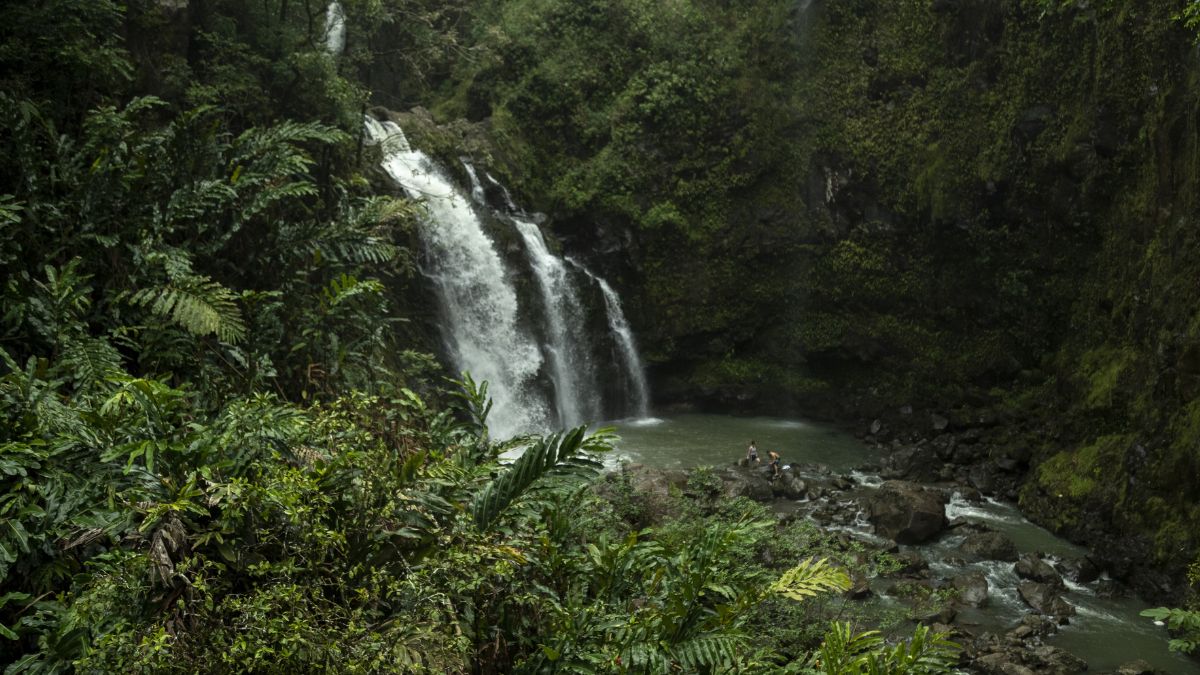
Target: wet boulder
{"points": [[1080, 570], [1032, 567], [1033, 626], [860, 588], [1138, 667], [1002, 663], [1055, 661], [911, 563], [982, 477], [750, 484], [989, 546], [1045, 599], [972, 589], [789, 485], [906, 513], [912, 462]]}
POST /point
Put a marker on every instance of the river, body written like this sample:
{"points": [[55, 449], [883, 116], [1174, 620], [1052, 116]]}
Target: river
{"points": [[1105, 632]]}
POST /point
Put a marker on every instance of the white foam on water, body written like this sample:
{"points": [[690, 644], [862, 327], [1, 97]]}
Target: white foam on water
{"points": [[867, 480], [961, 508]]}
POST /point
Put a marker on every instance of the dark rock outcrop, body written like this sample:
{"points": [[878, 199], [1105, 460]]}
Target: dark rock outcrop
{"points": [[906, 513], [990, 546], [1045, 599], [1032, 567], [972, 589]]}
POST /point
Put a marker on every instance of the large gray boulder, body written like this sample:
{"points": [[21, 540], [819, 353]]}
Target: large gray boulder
{"points": [[1032, 567], [989, 546], [907, 513], [1055, 661], [789, 485], [972, 589], [1045, 599], [747, 483], [1138, 667]]}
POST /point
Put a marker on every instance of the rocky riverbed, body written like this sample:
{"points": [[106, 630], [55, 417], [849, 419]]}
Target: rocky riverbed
{"points": [[1004, 604]]}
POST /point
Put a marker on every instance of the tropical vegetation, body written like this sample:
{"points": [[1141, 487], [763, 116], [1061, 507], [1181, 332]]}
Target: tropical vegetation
{"points": [[224, 447]]}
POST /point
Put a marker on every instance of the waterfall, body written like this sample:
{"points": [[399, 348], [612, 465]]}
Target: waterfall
{"points": [[335, 28], [508, 200], [477, 192], [629, 353], [618, 326], [571, 364], [481, 321]]}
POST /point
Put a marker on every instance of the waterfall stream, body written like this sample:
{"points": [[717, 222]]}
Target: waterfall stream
{"points": [[631, 362], [481, 324], [571, 363], [486, 328], [335, 28]]}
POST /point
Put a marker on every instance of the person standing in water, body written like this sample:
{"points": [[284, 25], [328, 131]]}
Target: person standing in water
{"points": [[774, 464], [752, 453]]}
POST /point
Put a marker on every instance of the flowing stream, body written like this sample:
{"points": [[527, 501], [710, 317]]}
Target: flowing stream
{"points": [[1106, 631]]}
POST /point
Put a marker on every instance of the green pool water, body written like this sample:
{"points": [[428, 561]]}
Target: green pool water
{"points": [[717, 440]]}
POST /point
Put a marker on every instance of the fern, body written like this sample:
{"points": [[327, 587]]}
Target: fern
{"points": [[542, 457], [346, 287], [844, 652], [707, 653], [90, 361], [810, 578], [197, 304], [10, 210]]}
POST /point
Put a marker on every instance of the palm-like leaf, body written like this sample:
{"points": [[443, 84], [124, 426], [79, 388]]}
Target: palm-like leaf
{"points": [[810, 578], [560, 450], [197, 304]]}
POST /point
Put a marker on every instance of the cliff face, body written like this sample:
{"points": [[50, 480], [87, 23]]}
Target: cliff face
{"points": [[981, 208]]}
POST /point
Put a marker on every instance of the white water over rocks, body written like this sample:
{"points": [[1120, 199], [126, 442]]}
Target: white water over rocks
{"points": [[481, 320], [618, 325], [335, 28], [628, 348], [571, 364], [484, 325]]}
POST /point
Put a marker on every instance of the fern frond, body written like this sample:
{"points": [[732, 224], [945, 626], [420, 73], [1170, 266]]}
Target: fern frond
{"points": [[10, 210], [199, 200], [539, 459], [198, 304], [89, 361], [810, 578], [844, 651], [346, 287], [708, 653]]}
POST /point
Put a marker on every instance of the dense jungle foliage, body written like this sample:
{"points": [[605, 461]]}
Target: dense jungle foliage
{"points": [[224, 449]]}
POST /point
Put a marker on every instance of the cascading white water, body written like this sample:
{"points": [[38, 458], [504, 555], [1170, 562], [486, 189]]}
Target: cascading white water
{"points": [[335, 28], [618, 326], [571, 364], [508, 200], [477, 192], [481, 322], [628, 348]]}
